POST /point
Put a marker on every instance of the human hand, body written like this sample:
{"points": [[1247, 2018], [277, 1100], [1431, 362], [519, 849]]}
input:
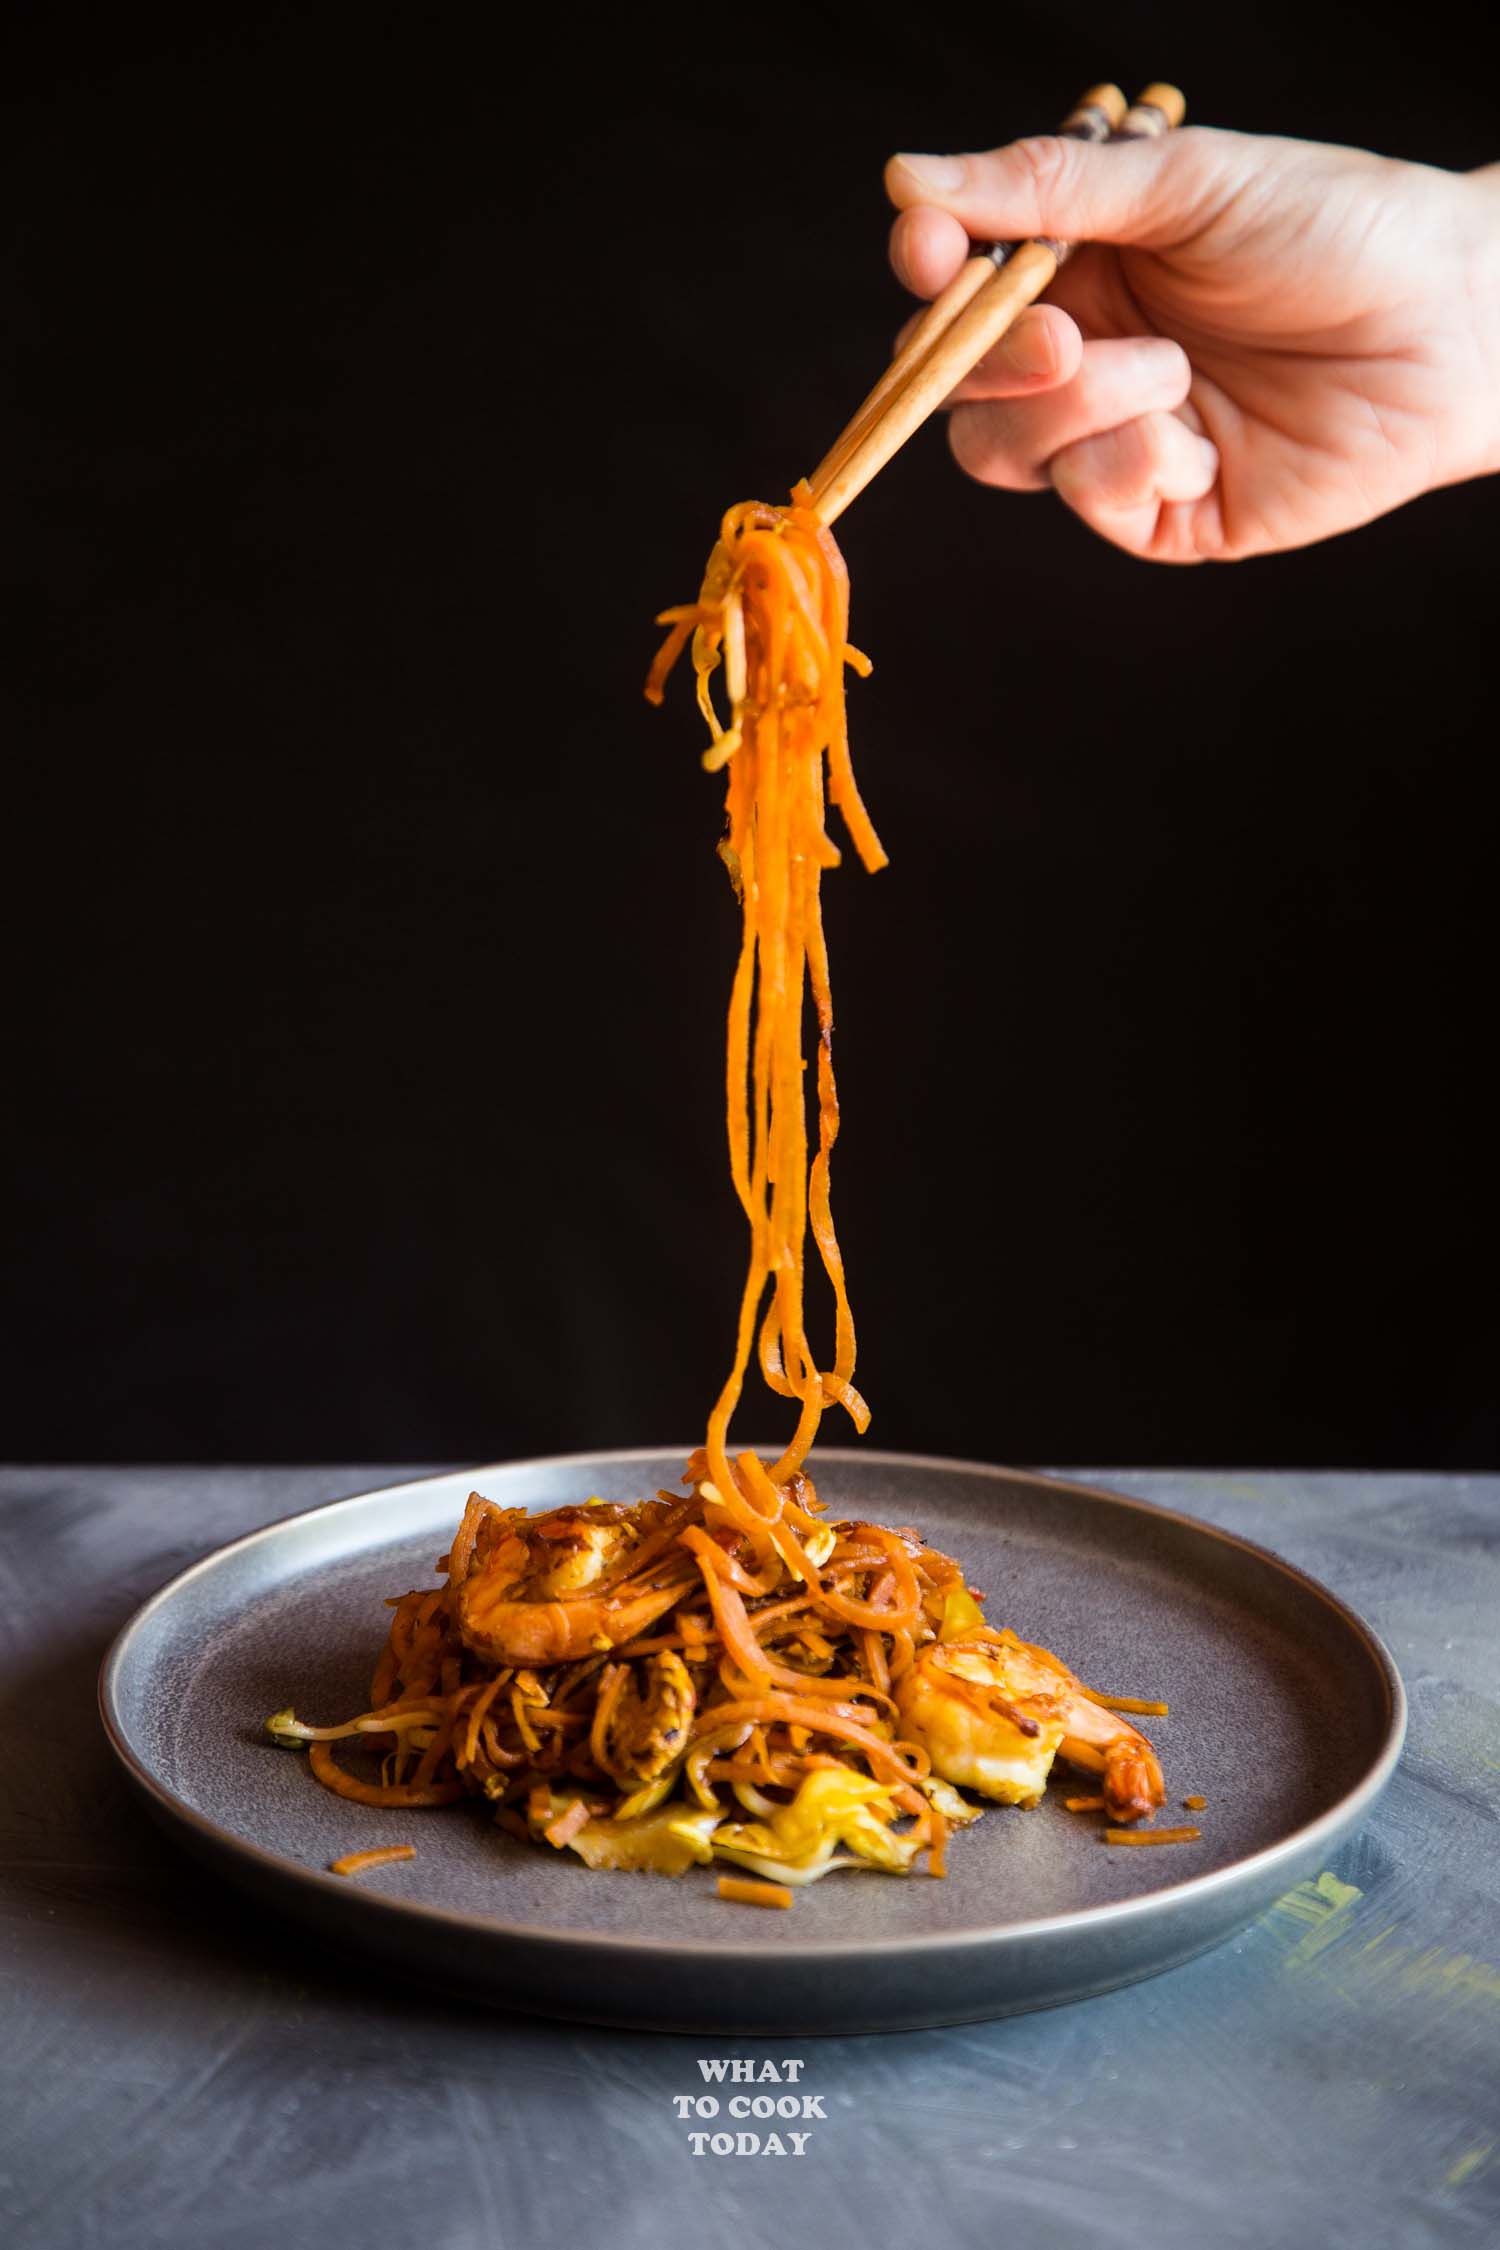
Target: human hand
{"points": [[1263, 342]]}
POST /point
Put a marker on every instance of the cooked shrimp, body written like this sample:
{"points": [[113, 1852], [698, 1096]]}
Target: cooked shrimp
{"points": [[527, 1602], [568, 1549], [1103, 1742], [992, 1712], [643, 1729], [985, 1723]]}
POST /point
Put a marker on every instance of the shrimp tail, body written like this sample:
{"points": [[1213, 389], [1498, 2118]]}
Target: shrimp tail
{"points": [[1133, 1785]]}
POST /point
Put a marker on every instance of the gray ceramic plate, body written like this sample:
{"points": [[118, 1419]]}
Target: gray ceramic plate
{"points": [[1286, 1714]]}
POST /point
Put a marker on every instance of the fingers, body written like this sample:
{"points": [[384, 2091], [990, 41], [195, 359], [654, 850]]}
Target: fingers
{"points": [[927, 249], [1038, 352], [1014, 444], [1150, 192], [1108, 424], [1130, 484], [1120, 442]]}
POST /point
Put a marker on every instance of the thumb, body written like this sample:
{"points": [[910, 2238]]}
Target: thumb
{"points": [[1151, 192]]}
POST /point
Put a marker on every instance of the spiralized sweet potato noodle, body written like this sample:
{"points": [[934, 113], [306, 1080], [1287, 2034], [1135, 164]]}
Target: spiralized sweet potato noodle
{"points": [[773, 613]]}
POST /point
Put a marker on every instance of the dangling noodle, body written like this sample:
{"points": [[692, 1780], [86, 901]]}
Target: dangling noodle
{"points": [[774, 613]]}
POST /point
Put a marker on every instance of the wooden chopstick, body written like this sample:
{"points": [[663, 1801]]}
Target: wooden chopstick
{"points": [[1095, 116], [971, 315]]}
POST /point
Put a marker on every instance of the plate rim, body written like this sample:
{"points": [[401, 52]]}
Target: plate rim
{"points": [[1297, 1846]]}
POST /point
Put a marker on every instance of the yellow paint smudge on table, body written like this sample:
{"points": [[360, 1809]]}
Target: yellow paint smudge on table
{"points": [[1460, 1974], [1468, 2164], [1314, 1900], [1323, 1907], [1323, 1910]]}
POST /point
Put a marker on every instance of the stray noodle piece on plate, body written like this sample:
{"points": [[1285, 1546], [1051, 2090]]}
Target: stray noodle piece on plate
{"points": [[1083, 1804], [1194, 1804], [355, 1863], [1152, 1835], [744, 1890], [728, 1675]]}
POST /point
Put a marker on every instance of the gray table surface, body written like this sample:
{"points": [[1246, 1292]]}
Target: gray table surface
{"points": [[181, 2071]]}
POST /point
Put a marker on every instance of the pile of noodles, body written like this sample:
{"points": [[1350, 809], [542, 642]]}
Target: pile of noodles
{"points": [[793, 1631]]}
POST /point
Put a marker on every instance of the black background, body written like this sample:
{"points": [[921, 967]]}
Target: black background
{"points": [[380, 373]]}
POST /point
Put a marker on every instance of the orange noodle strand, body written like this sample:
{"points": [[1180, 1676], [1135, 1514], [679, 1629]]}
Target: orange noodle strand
{"points": [[773, 614]]}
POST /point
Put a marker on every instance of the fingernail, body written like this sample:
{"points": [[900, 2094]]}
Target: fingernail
{"points": [[1031, 348], [940, 173]]}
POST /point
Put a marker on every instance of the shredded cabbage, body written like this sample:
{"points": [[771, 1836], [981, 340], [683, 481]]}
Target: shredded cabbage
{"points": [[944, 1798], [961, 1613], [650, 1795], [661, 1843], [833, 1806], [780, 1870]]}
